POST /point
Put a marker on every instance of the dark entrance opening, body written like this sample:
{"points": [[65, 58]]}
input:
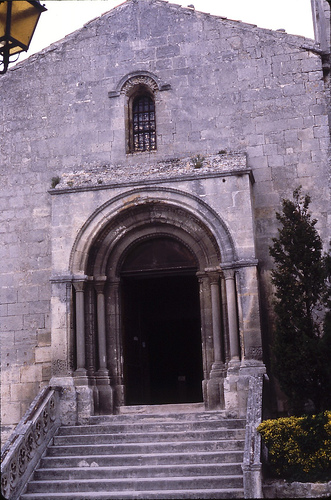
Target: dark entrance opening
{"points": [[161, 326]]}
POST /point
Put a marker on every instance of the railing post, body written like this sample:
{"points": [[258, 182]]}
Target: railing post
{"points": [[252, 467]]}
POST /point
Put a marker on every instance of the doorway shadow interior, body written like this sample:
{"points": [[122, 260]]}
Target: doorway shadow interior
{"points": [[161, 324]]}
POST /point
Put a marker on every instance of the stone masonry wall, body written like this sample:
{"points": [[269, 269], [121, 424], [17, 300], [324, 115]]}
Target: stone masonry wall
{"points": [[232, 87]]}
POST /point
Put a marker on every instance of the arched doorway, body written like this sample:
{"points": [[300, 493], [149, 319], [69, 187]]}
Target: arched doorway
{"points": [[161, 327], [133, 250]]}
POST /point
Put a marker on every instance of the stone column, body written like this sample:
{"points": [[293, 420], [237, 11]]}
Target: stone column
{"points": [[116, 352], [218, 365], [102, 375], [232, 382], [231, 298], [83, 391], [215, 383], [206, 331], [80, 329]]}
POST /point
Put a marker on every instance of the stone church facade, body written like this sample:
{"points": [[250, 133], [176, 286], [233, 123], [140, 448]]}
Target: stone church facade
{"points": [[143, 160]]}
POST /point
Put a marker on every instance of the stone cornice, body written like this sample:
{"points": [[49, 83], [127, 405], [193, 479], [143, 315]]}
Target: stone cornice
{"points": [[153, 172]]}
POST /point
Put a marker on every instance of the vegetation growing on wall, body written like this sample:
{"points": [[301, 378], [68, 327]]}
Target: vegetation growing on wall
{"points": [[299, 447], [302, 336]]}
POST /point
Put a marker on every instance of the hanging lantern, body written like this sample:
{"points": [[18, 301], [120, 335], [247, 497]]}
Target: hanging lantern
{"points": [[18, 20]]}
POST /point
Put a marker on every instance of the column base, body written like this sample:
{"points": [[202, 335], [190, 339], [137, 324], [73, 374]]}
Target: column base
{"points": [[68, 399], [80, 377], [84, 393], [215, 393], [236, 383], [105, 403], [218, 370], [119, 396]]}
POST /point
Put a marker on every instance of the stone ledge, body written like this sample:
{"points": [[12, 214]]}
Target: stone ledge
{"points": [[280, 488], [98, 177]]}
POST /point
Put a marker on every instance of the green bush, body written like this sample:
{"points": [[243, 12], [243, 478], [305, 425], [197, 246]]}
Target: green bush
{"points": [[299, 447]]}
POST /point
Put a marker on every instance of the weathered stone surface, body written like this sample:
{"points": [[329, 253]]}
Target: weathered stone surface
{"points": [[255, 95], [283, 489]]}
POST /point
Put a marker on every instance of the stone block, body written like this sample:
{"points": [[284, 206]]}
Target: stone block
{"points": [[24, 391], [46, 372], [39, 307], [32, 373], [10, 413], [255, 151], [167, 51], [43, 354], [18, 309], [25, 354], [12, 323], [43, 338], [9, 375], [275, 161], [34, 321]]}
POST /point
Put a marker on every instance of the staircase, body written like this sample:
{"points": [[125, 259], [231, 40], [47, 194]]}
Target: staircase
{"points": [[164, 452]]}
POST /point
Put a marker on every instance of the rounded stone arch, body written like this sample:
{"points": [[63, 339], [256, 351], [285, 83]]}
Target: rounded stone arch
{"points": [[100, 249], [144, 87], [126, 248], [139, 213], [153, 219], [134, 78]]}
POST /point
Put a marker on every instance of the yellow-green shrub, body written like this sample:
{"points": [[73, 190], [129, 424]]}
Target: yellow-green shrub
{"points": [[299, 447]]}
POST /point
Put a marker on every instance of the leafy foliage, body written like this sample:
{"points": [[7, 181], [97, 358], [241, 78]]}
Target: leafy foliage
{"points": [[302, 339], [299, 447]]}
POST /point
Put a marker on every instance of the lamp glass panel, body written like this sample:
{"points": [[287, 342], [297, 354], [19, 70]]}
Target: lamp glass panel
{"points": [[3, 19], [24, 20]]}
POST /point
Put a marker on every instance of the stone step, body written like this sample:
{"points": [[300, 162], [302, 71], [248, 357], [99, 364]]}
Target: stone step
{"points": [[136, 484], [149, 459], [146, 455], [96, 472], [138, 437], [205, 494], [146, 447], [203, 416], [166, 408], [151, 426]]}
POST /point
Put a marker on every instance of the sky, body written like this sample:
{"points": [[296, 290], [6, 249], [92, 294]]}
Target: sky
{"points": [[65, 16]]}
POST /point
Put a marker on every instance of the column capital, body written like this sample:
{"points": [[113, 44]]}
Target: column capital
{"points": [[114, 281], [99, 283], [214, 277], [213, 274], [229, 274], [79, 285]]}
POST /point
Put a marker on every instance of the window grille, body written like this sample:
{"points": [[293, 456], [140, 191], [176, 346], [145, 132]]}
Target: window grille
{"points": [[143, 123]]}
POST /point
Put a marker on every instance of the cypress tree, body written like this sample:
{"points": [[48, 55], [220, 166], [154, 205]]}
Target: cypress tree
{"points": [[302, 336]]}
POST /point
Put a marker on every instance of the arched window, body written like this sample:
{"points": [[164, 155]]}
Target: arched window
{"points": [[143, 130]]}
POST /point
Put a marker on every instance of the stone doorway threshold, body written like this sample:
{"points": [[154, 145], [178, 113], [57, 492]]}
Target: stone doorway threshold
{"points": [[159, 409]]}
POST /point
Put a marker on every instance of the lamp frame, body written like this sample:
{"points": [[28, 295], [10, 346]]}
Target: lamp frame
{"points": [[7, 38]]}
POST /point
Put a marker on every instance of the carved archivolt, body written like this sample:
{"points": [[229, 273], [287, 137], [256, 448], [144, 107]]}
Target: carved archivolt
{"points": [[136, 81], [148, 219], [165, 208], [138, 78]]}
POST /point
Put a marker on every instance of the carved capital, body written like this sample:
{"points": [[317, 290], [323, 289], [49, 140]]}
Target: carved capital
{"points": [[99, 284], [229, 274], [79, 286]]}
